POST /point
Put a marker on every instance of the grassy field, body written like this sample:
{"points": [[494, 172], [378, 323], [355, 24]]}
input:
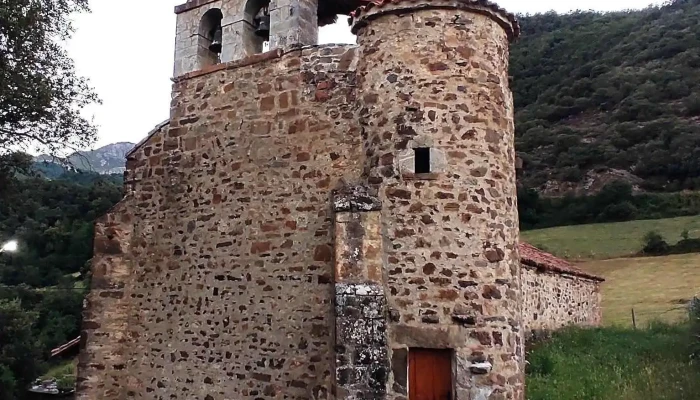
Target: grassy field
{"points": [[614, 364], [617, 362], [656, 287], [605, 241]]}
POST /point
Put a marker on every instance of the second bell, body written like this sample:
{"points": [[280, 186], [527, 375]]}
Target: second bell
{"points": [[215, 45], [263, 29]]}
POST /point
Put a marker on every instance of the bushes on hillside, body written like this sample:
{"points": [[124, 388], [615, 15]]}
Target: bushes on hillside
{"points": [[615, 203], [40, 296], [686, 246], [656, 245], [618, 90]]}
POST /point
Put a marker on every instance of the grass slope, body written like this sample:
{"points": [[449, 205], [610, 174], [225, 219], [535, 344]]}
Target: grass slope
{"points": [[614, 364], [605, 241], [656, 287]]}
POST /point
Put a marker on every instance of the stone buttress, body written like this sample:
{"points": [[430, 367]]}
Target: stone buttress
{"points": [[360, 302], [438, 132]]}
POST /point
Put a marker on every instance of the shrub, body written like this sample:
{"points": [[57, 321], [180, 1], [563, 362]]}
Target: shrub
{"points": [[624, 211], [692, 105], [686, 246], [695, 329], [66, 383], [655, 245]]}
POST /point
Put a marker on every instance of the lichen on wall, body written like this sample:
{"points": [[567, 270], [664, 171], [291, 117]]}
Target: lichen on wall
{"points": [[361, 354]]}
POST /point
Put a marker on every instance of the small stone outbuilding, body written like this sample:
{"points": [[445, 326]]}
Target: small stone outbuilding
{"points": [[556, 293]]}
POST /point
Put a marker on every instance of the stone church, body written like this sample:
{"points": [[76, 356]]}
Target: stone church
{"points": [[323, 221]]}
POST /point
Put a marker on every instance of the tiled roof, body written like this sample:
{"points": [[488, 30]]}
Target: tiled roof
{"points": [[60, 349], [150, 135], [514, 28], [534, 257]]}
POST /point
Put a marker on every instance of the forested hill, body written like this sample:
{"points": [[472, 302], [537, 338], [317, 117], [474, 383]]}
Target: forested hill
{"points": [[616, 91], [42, 285]]}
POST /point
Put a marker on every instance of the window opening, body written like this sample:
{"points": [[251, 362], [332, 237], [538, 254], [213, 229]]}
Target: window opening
{"points": [[422, 160]]}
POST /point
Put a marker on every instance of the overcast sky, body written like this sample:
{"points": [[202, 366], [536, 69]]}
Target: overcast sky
{"points": [[125, 48]]}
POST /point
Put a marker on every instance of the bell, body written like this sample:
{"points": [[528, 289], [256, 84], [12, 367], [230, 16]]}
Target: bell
{"points": [[215, 45], [263, 29]]}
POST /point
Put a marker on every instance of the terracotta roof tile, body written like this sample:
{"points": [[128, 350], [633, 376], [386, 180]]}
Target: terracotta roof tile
{"points": [[61, 349], [534, 257]]}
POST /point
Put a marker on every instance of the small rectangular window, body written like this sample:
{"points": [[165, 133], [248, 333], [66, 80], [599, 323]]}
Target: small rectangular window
{"points": [[422, 160]]}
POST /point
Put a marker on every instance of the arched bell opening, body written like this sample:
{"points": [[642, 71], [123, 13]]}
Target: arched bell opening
{"points": [[256, 38], [210, 38]]}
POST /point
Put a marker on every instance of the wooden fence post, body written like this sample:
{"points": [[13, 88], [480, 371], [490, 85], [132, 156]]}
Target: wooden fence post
{"points": [[634, 320]]}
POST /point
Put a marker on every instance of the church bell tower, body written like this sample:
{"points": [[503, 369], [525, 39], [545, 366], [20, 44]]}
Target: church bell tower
{"points": [[213, 32]]}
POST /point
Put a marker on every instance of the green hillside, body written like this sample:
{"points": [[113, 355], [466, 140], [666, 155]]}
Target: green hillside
{"points": [[617, 90], [43, 284], [604, 241]]}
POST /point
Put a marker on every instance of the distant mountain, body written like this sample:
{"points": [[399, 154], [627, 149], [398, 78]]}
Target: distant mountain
{"points": [[110, 159]]}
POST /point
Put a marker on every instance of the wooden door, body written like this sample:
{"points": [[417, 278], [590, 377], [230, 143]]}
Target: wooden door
{"points": [[430, 374]]}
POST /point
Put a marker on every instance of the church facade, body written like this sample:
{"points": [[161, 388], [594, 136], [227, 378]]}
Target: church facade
{"points": [[318, 222]]}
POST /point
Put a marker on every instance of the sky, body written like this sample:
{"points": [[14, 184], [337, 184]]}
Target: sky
{"points": [[125, 48]]}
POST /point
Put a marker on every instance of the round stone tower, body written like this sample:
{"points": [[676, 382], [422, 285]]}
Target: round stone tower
{"points": [[437, 117]]}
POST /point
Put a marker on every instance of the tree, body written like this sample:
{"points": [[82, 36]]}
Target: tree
{"points": [[655, 245], [40, 94], [19, 352], [42, 286], [10, 165], [615, 90]]}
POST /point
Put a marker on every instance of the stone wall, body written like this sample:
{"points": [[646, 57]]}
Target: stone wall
{"points": [[552, 300], [214, 276], [435, 74], [230, 272], [294, 23]]}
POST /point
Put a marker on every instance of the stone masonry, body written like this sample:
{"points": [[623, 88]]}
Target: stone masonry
{"points": [[216, 276], [309, 215], [439, 77], [557, 294], [293, 24], [555, 300]]}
